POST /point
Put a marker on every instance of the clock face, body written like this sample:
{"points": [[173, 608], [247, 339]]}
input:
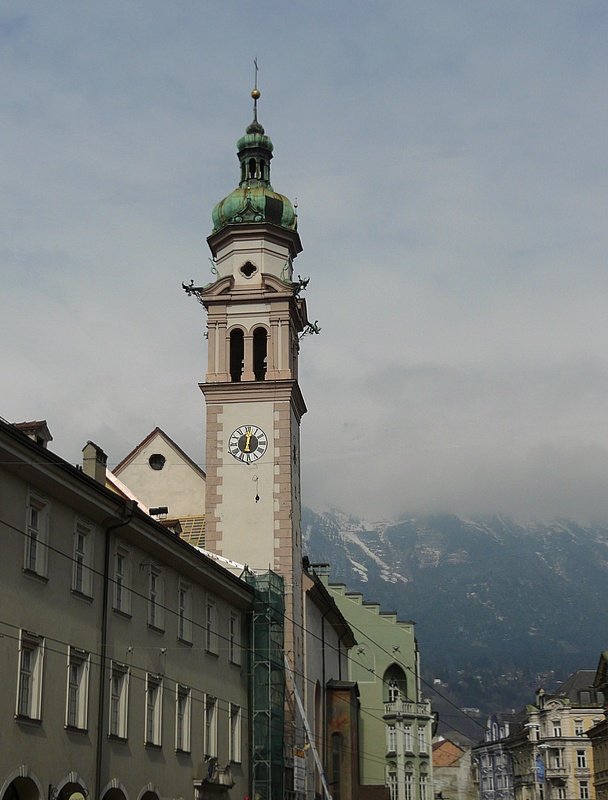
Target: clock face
{"points": [[248, 443]]}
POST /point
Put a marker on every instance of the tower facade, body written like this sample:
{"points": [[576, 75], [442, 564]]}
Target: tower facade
{"points": [[254, 404]]}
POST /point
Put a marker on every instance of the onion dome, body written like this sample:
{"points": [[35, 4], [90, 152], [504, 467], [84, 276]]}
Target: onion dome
{"points": [[254, 200]]}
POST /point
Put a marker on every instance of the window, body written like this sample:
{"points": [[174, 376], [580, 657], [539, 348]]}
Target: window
{"points": [[36, 539], [583, 790], [557, 759], [29, 686], [578, 727], [391, 738], [393, 691], [119, 700], [235, 733], [581, 759], [234, 638], [557, 727], [210, 743], [156, 598], [409, 786], [237, 353], [421, 740], [122, 580], [561, 793], [82, 574], [182, 718], [424, 783], [184, 612], [260, 352], [77, 694], [407, 738], [154, 709], [391, 782], [211, 631]]}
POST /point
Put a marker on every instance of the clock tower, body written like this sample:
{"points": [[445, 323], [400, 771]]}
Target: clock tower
{"points": [[255, 317]]}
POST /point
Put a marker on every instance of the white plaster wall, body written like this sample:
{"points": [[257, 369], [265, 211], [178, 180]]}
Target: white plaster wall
{"points": [[177, 485], [247, 526]]}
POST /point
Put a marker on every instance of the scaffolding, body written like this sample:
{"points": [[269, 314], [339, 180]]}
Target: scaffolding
{"points": [[267, 681]]}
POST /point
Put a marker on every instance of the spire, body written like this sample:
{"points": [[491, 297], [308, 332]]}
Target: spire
{"points": [[254, 200]]}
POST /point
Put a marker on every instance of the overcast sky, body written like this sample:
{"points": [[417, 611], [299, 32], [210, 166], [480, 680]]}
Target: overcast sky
{"points": [[449, 162]]}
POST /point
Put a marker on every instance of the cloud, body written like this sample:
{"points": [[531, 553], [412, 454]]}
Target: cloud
{"points": [[450, 170]]}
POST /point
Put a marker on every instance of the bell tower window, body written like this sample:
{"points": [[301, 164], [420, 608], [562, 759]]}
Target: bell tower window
{"points": [[260, 352], [252, 167], [237, 351]]}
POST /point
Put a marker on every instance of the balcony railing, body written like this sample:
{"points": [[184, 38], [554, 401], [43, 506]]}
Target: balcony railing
{"points": [[408, 709]]}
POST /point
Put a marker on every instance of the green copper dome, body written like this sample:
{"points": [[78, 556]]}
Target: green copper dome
{"points": [[254, 200]]}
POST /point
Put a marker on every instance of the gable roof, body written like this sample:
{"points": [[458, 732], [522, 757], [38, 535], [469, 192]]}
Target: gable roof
{"points": [[130, 457]]}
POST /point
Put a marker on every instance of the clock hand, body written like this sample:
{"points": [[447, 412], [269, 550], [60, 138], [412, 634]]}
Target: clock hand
{"points": [[248, 435]]}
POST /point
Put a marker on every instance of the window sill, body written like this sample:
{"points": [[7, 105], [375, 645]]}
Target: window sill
{"points": [[36, 575], [181, 752], [88, 598], [152, 746], [28, 720], [114, 737], [75, 729], [186, 642], [122, 613], [211, 652], [155, 628]]}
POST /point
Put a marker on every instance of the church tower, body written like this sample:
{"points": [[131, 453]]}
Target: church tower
{"points": [[255, 316]]}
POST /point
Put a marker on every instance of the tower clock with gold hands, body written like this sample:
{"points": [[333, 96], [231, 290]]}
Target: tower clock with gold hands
{"points": [[247, 443]]}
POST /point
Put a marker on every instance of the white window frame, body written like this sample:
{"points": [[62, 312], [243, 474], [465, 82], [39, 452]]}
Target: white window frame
{"points": [[183, 709], [37, 524], [391, 782], [391, 738], [77, 689], [119, 701], [122, 580], [407, 738], [210, 743], [235, 730], [184, 612], [156, 598], [234, 638], [154, 710], [557, 728], [581, 759], [579, 728], [583, 790], [408, 786], [423, 786], [29, 676], [211, 626], [422, 739], [82, 572]]}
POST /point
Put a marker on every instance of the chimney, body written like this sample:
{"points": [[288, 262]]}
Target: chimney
{"points": [[94, 462]]}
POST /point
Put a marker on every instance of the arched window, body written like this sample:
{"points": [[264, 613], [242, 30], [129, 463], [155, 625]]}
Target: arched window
{"points": [[395, 684], [252, 167], [21, 789], [260, 352], [237, 352]]}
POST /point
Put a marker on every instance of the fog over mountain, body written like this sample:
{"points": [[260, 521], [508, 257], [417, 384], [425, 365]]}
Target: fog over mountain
{"points": [[500, 606]]}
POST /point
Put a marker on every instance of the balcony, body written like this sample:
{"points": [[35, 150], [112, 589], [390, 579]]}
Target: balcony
{"points": [[555, 772], [406, 708]]}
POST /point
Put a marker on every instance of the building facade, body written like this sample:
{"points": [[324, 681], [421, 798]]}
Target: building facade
{"points": [[493, 760], [598, 734], [395, 742], [551, 755], [122, 648]]}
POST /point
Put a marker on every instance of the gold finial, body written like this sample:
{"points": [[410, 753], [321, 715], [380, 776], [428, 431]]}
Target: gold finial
{"points": [[255, 92]]}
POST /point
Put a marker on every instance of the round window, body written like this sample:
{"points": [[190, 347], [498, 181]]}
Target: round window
{"points": [[156, 461]]}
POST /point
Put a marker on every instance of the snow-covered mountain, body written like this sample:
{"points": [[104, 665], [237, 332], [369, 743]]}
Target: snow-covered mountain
{"points": [[500, 606]]}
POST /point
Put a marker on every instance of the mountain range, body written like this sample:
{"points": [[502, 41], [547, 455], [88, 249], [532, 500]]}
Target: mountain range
{"points": [[500, 606]]}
